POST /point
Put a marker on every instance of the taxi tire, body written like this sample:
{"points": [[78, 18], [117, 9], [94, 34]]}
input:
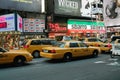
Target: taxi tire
{"points": [[95, 54], [67, 57], [36, 54], [112, 55], [19, 61]]}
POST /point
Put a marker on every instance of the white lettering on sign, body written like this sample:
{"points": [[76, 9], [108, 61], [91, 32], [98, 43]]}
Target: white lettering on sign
{"points": [[79, 26], [75, 26], [68, 4]]}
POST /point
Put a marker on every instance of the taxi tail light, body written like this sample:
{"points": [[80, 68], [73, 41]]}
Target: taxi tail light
{"points": [[97, 45], [26, 46], [109, 45], [52, 51]]}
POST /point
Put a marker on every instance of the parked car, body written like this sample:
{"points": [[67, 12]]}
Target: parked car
{"points": [[69, 49], [92, 41], [115, 50], [34, 46], [117, 41], [18, 57]]}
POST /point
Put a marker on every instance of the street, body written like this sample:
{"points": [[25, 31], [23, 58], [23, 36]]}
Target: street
{"points": [[101, 68]]}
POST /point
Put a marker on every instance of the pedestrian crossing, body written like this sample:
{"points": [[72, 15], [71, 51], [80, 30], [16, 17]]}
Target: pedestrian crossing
{"points": [[110, 62]]}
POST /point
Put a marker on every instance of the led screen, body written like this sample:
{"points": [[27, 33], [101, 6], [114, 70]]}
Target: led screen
{"points": [[7, 22]]}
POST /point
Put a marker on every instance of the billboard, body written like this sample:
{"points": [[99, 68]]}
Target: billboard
{"points": [[33, 25], [22, 5], [19, 23], [74, 7], [111, 12], [67, 7], [7, 22], [86, 8], [78, 25], [57, 27], [10, 22]]}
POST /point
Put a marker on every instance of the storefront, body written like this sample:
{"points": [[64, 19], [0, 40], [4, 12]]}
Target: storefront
{"points": [[85, 28], [113, 31]]}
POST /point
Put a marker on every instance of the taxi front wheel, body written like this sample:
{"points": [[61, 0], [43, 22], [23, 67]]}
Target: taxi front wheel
{"points": [[67, 57], [36, 54], [19, 61]]}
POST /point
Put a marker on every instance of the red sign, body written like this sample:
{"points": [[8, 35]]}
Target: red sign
{"points": [[55, 27], [3, 25]]}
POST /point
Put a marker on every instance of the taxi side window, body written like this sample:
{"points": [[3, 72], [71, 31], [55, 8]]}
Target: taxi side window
{"points": [[1, 50], [82, 45], [92, 40], [74, 45], [36, 42], [45, 42]]}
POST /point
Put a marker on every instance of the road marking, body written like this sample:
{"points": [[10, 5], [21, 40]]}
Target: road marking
{"points": [[100, 62], [114, 64], [112, 59]]}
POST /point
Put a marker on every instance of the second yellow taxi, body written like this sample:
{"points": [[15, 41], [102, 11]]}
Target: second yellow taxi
{"points": [[69, 49], [92, 41]]}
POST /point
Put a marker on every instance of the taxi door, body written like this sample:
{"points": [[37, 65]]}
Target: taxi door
{"points": [[84, 49], [3, 58], [76, 50]]}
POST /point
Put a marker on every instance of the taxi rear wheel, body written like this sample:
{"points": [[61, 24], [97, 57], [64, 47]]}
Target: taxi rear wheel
{"points": [[36, 54], [19, 61], [95, 53], [112, 55], [67, 57]]}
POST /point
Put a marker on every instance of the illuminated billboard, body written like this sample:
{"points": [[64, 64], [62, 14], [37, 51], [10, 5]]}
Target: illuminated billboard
{"points": [[81, 8], [10, 22], [22, 5], [83, 25], [19, 23]]}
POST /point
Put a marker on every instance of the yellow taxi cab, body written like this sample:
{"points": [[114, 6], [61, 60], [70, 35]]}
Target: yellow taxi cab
{"points": [[68, 49], [92, 41], [18, 57], [34, 46]]}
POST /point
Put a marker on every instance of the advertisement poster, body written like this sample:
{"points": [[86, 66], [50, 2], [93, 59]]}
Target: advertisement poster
{"points": [[33, 25], [74, 7], [86, 8], [7, 22], [111, 12], [84, 26], [67, 7], [19, 23]]}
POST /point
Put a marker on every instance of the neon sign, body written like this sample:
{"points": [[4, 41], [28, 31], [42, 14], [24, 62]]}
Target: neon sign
{"points": [[55, 27]]}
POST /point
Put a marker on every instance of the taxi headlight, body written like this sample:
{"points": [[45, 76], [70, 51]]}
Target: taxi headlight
{"points": [[29, 54]]}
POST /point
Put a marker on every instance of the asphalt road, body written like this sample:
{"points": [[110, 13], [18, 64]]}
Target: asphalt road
{"points": [[101, 68]]}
